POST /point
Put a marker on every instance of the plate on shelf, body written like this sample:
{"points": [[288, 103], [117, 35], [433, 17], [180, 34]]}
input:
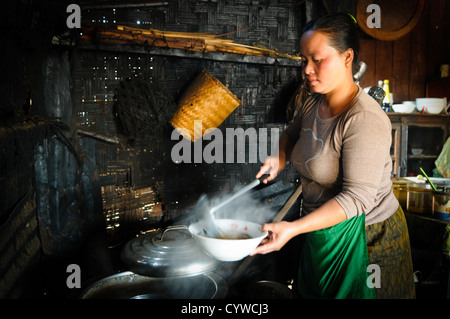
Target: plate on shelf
{"points": [[435, 180]]}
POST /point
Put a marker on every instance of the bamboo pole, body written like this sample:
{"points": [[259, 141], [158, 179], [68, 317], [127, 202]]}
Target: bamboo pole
{"points": [[200, 42]]}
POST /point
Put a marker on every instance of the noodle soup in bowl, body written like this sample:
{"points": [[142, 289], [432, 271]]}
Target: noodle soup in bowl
{"points": [[238, 239]]}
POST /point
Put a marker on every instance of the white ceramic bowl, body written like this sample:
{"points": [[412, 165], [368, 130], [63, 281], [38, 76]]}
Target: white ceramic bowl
{"points": [[229, 249], [431, 105], [404, 108]]}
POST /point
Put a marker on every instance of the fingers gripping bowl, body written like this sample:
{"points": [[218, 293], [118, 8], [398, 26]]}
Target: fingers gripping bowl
{"points": [[239, 239]]}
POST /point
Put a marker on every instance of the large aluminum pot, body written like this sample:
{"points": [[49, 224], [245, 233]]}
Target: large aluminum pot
{"points": [[128, 285], [162, 264], [167, 253]]}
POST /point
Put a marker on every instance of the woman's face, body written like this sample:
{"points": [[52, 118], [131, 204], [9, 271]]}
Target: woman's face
{"points": [[324, 66]]}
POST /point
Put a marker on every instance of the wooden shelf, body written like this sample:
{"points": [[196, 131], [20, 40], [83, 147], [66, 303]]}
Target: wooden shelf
{"points": [[423, 156], [408, 130], [417, 117], [215, 56]]}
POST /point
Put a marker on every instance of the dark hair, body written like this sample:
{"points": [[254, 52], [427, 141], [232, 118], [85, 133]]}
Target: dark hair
{"points": [[342, 31]]}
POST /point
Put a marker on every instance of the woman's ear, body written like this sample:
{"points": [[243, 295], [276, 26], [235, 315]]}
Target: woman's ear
{"points": [[348, 55]]}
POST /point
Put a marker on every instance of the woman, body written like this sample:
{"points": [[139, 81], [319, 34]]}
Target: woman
{"points": [[357, 243]]}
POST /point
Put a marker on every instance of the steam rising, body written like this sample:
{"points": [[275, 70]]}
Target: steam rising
{"points": [[245, 207]]}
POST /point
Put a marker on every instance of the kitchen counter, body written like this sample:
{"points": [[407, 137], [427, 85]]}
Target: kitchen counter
{"points": [[430, 247], [428, 217]]}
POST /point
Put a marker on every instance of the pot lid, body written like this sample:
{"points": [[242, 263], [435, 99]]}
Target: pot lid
{"points": [[170, 252]]}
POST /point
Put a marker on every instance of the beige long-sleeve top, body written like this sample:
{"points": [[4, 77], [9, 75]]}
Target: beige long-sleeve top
{"points": [[346, 157]]}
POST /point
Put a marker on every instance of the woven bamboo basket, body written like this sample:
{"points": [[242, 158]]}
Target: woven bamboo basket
{"points": [[206, 100]]}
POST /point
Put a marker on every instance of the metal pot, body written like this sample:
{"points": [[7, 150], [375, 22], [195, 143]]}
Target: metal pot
{"points": [[128, 285], [441, 205], [167, 253], [163, 264], [419, 198]]}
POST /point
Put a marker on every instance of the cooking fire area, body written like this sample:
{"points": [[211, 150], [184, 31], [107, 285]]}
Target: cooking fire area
{"points": [[167, 263]]}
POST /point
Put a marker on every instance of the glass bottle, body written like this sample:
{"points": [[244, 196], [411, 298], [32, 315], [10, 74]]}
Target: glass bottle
{"points": [[387, 99]]}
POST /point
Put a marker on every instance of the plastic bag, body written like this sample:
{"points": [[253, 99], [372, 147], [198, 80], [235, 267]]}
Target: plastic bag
{"points": [[443, 161]]}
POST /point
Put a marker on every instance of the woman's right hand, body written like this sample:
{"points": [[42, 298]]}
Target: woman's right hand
{"points": [[271, 166], [278, 235]]}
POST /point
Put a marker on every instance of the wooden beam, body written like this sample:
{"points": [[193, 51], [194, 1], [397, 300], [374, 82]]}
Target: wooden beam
{"points": [[181, 44], [214, 56]]}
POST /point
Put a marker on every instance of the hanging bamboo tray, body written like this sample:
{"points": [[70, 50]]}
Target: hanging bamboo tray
{"points": [[207, 101]]}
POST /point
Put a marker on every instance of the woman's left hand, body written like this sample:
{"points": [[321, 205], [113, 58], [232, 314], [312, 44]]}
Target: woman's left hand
{"points": [[279, 234]]}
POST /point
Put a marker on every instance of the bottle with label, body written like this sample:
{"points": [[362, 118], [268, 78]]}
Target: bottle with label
{"points": [[386, 106]]}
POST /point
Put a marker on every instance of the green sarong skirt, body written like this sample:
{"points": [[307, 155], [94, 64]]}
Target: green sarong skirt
{"points": [[388, 247], [350, 260]]}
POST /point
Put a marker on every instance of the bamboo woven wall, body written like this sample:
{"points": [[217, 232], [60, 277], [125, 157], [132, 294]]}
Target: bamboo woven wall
{"points": [[264, 90]]}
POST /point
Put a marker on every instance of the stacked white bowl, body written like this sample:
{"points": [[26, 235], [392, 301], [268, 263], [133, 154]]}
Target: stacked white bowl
{"points": [[405, 107], [431, 105], [427, 105]]}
